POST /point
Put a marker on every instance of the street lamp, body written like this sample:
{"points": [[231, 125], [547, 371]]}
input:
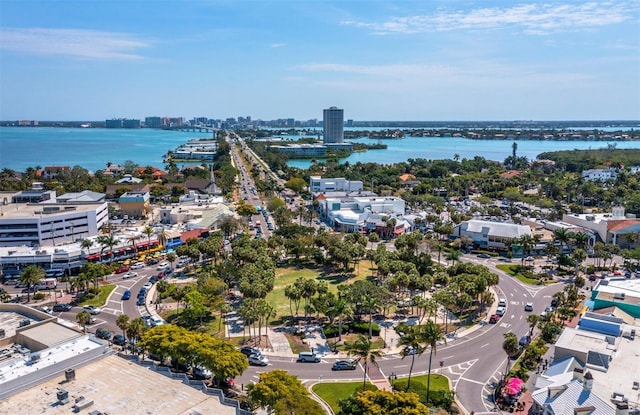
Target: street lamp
{"points": [[392, 380]]}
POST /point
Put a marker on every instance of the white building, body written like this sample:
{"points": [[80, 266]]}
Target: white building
{"points": [[488, 234], [320, 184], [599, 174], [610, 227], [349, 214]]}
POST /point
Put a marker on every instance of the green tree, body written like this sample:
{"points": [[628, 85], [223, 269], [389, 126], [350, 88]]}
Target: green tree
{"points": [[282, 394], [122, 321], [31, 276], [363, 348], [510, 347], [380, 402], [83, 318], [431, 334], [412, 344]]}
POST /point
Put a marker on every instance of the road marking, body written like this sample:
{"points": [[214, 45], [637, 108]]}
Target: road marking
{"points": [[396, 367], [471, 380], [484, 345], [445, 358]]}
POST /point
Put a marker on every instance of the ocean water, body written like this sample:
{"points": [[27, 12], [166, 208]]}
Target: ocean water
{"points": [[92, 148]]}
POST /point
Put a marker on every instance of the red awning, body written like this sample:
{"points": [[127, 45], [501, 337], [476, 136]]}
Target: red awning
{"points": [[143, 244], [93, 256], [122, 250], [398, 231]]}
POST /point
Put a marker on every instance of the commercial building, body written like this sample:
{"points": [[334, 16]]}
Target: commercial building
{"points": [[79, 216], [135, 204], [305, 150], [350, 213], [333, 125], [612, 228], [320, 184], [617, 292], [490, 235]]}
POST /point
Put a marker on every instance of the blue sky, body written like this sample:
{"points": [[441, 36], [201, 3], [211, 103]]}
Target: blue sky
{"points": [[379, 60]]}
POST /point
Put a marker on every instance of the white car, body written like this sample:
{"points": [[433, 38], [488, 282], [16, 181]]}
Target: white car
{"points": [[137, 265], [130, 274], [148, 286], [500, 311], [91, 309], [528, 306], [162, 266], [258, 360], [502, 302], [156, 321]]}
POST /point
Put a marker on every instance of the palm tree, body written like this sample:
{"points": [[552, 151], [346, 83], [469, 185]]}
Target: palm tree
{"points": [[453, 256], [86, 244], [148, 230], [526, 243], [83, 318], [135, 331], [563, 236], [107, 241], [431, 334], [162, 238], [510, 347], [412, 344], [363, 348], [122, 321], [31, 276], [533, 320]]}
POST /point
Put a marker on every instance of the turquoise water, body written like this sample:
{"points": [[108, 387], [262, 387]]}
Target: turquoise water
{"points": [[437, 148], [92, 148]]}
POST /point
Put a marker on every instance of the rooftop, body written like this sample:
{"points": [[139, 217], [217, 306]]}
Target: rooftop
{"points": [[21, 211], [116, 386]]}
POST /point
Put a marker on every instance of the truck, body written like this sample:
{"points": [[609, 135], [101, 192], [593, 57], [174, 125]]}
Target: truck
{"points": [[47, 284]]}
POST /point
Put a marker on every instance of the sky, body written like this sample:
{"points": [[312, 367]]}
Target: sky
{"points": [[378, 60]]}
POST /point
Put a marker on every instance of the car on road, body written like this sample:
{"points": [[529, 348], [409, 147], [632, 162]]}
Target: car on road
{"points": [[494, 319], [308, 357], [122, 269], [344, 365], [258, 360], [126, 295], [502, 302], [137, 265], [119, 340], [130, 274], [484, 256], [500, 311], [103, 333], [93, 310], [156, 321], [528, 306], [162, 266], [62, 307], [140, 301], [153, 279], [33, 289], [47, 309], [148, 285], [248, 351]]}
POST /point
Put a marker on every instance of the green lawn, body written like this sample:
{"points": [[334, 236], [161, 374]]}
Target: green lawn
{"points": [[438, 382], [101, 299], [332, 393], [509, 269]]}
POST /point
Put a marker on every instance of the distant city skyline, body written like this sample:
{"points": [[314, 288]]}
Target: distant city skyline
{"points": [[397, 60]]}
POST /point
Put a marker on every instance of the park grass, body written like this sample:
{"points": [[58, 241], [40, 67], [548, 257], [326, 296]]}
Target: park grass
{"points": [[438, 383], [101, 299], [509, 269], [333, 393], [287, 275]]}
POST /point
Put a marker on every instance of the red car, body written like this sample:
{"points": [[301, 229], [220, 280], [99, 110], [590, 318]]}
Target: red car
{"points": [[123, 268], [494, 319]]}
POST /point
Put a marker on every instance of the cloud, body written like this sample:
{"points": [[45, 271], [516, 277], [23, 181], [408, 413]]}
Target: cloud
{"points": [[277, 45], [536, 19], [86, 44]]}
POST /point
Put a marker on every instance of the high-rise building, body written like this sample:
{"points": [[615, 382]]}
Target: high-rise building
{"points": [[333, 125]]}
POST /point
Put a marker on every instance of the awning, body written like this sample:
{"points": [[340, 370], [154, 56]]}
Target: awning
{"points": [[143, 244], [122, 251], [93, 256], [398, 231]]}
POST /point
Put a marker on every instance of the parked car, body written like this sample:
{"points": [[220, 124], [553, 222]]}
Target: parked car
{"points": [[162, 266], [258, 360], [47, 309], [130, 274], [140, 301], [528, 306], [249, 351], [93, 310], [484, 256], [103, 333], [119, 340], [62, 307], [148, 285], [153, 279], [502, 302], [494, 319], [152, 261], [500, 311], [33, 289], [201, 372], [126, 295], [344, 365]]}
